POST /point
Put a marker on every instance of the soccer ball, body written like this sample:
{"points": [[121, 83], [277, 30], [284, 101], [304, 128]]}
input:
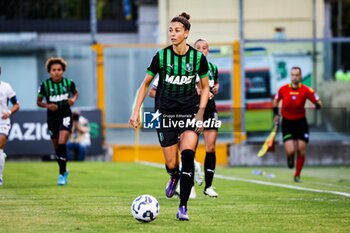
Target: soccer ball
{"points": [[145, 208]]}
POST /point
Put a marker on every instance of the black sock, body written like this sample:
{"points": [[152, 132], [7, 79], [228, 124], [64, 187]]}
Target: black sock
{"points": [[187, 174], [62, 158], [172, 171], [209, 168]]}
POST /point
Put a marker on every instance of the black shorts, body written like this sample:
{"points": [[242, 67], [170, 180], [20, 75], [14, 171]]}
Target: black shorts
{"points": [[295, 130], [168, 134], [211, 114], [56, 124]]}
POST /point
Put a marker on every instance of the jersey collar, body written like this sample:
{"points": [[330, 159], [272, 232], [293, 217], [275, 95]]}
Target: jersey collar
{"points": [[299, 85]]}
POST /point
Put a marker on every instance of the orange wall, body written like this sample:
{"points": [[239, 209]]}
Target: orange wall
{"points": [[153, 153]]}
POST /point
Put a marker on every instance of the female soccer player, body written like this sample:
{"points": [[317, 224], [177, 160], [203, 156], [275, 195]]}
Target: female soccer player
{"points": [[295, 129], [177, 101], [60, 94], [6, 94], [197, 165], [210, 134]]}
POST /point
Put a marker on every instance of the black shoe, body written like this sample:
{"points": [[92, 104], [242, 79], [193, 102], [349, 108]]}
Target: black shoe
{"points": [[290, 161], [297, 179]]}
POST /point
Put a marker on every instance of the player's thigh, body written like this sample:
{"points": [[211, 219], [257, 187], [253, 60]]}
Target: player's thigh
{"points": [[210, 139], [53, 126], [170, 155], [289, 147], [3, 139], [4, 131], [188, 140], [63, 136]]}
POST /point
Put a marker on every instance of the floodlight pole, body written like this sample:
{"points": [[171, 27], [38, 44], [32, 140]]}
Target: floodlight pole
{"points": [[93, 21], [242, 132], [339, 34], [314, 45]]}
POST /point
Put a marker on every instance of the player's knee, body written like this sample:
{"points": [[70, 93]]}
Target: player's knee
{"points": [[301, 153], [172, 164], [210, 148]]}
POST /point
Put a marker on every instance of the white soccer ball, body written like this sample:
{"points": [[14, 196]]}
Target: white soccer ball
{"points": [[145, 208]]}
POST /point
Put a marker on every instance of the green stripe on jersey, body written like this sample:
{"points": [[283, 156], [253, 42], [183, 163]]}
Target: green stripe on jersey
{"points": [[183, 72], [61, 92], [177, 71], [161, 58], [50, 87], [168, 59], [69, 83], [46, 88], [56, 88], [191, 61]]}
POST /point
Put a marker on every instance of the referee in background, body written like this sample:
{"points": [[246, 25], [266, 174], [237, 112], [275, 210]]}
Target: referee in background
{"points": [[295, 130]]}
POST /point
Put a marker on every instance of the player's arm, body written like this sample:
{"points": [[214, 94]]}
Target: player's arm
{"points": [[74, 98], [203, 100], [204, 93], [203, 74], [152, 92], [15, 107], [275, 102], [40, 103], [134, 120], [318, 104], [215, 89], [314, 98], [75, 94]]}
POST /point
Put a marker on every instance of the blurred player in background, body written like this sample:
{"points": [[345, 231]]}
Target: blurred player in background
{"points": [[295, 129], [60, 94], [210, 134], [6, 94], [197, 165], [177, 66]]}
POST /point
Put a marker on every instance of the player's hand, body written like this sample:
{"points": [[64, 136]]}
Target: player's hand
{"points": [[134, 120], [211, 95], [71, 101], [6, 115], [52, 107], [276, 119], [214, 90], [199, 118]]}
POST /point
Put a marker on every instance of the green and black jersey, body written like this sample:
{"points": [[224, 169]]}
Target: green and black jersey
{"points": [[176, 91], [213, 78], [212, 75], [57, 93]]}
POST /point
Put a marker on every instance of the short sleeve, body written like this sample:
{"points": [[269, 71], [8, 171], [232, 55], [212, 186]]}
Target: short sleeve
{"points": [[312, 95], [279, 95], [41, 91], [153, 69], [10, 92], [203, 67], [73, 87], [215, 73]]}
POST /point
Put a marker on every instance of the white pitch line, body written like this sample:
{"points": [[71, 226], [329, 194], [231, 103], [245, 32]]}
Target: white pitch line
{"points": [[262, 182], [282, 185]]}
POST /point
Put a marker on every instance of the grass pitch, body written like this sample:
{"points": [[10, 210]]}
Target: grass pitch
{"points": [[99, 195]]}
